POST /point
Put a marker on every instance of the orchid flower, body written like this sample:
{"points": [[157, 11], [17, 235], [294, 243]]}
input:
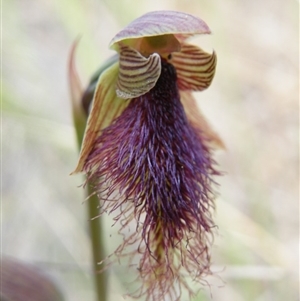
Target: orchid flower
{"points": [[147, 150]]}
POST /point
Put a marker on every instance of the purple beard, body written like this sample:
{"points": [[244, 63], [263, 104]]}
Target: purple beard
{"points": [[161, 166]]}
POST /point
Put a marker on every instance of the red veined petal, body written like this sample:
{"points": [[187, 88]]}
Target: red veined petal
{"points": [[137, 74], [195, 68]]}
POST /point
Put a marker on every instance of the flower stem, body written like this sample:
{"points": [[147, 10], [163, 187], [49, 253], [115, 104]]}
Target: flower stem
{"points": [[95, 224], [98, 252]]}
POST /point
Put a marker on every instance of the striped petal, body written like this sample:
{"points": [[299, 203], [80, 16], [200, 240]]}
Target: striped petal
{"points": [[105, 108], [137, 74], [198, 121], [161, 23], [195, 67]]}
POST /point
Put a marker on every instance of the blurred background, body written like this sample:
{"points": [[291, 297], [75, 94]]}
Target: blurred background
{"points": [[252, 104]]}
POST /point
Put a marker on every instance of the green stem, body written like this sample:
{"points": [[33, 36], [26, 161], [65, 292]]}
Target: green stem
{"points": [[96, 233], [95, 224]]}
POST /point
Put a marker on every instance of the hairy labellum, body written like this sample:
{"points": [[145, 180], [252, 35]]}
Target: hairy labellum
{"points": [[162, 169]]}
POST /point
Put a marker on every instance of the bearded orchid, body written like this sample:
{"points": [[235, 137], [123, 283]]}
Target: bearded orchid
{"points": [[147, 150]]}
